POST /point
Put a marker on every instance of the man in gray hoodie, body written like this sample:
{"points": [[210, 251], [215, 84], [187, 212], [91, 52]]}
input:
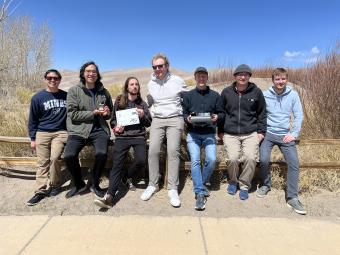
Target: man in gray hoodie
{"points": [[282, 102], [165, 90]]}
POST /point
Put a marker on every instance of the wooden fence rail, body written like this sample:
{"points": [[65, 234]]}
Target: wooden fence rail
{"points": [[32, 161]]}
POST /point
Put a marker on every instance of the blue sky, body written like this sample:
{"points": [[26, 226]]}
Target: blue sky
{"points": [[125, 34]]}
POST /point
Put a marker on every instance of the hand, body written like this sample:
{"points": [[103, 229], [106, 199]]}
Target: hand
{"points": [[140, 112], [214, 118], [260, 137], [96, 112], [118, 129], [106, 111], [189, 119], [33, 145], [288, 138], [220, 136]]}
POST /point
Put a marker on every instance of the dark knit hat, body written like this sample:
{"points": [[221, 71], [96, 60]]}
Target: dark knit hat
{"points": [[201, 69], [243, 69]]}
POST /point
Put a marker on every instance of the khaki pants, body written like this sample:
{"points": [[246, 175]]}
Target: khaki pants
{"points": [[172, 128], [246, 146], [49, 146]]}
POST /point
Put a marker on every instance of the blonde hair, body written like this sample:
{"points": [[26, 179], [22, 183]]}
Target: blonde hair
{"points": [[162, 56], [279, 71]]}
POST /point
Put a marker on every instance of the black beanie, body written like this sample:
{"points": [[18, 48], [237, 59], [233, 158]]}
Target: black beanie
{"points": [[243, 69]]}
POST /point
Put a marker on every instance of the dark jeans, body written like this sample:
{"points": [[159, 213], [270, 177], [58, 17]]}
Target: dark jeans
{"points": [[291, 157], [74, 145], [120, 151]]}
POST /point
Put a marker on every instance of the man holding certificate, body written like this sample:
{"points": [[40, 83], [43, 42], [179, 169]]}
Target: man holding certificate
{"points": [[129, 119]]}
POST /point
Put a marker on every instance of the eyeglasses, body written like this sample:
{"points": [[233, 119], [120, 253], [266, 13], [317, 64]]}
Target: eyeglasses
{"points": [[243, 74], [50, 78], [158, 67]]}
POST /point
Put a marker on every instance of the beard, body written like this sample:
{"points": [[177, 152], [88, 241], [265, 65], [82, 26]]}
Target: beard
{"points": [[133, 93]]}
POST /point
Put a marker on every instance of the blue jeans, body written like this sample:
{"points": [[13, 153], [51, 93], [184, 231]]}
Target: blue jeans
{"points": [[201, 176], [291, 157]]}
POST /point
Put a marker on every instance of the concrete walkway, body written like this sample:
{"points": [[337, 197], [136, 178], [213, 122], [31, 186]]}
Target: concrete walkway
{"points": [[166, 235]]}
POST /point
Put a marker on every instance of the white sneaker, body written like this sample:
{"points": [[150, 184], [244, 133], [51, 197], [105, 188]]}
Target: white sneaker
{"points": [[148, 192], [174, 198]]}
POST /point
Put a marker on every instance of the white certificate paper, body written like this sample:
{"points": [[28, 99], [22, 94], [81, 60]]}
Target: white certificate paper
{"points": [[127, 117]]}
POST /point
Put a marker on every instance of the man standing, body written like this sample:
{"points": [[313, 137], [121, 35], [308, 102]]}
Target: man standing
{"points": [[165, 90], [282, 102], [47, 130], [127, 137], [244, 128], [202, 108], [89, 106]]}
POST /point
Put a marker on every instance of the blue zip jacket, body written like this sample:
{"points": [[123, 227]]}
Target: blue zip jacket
{"points": [[279, 110]]}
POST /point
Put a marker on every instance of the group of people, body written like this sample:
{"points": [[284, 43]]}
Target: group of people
{"points": [[249, 122]]}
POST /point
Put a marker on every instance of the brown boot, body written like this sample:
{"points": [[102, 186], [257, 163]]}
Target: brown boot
{"points": [[105, 202]]}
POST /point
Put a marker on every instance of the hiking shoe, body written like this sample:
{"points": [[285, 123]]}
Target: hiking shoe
{"points": [[75, 191], [148, 192], [232, 188], [262, 191], [244, 194], [35, 199], [105, 202], [297, 206], [54, 191], [100, 193], [130, 185], [200, 202], [174, 198]]}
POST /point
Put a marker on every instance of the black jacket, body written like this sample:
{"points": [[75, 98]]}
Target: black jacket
{"points": [[202, 101], [137, 130], [245, 112]]}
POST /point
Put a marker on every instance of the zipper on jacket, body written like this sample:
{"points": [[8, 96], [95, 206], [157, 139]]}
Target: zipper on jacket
{"points": [[239, 112]]}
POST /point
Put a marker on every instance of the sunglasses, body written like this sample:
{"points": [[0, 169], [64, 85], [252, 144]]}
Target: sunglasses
{"points": [[49, 78], [158, 67]]}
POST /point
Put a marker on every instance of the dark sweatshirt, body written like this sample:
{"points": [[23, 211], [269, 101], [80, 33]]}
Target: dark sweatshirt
{"points": [[47, 112], [245, 111], [137, 130], [202, 101]]}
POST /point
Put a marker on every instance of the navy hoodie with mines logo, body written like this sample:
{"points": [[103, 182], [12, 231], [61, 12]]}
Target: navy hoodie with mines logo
{"points": [[47, 112], [245, 112]]}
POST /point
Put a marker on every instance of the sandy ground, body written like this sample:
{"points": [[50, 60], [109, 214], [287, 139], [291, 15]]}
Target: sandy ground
{"points": [[16, 191]]}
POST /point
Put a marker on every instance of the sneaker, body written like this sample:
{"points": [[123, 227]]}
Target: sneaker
{"points": [[244, 194], [262, 191], [296, 205], [54, 191], [200, 202], [75, 191], [130, 185], [100, 193], [148, 192], [174, 198], [105, 202], [232, 188], [35, 199]]}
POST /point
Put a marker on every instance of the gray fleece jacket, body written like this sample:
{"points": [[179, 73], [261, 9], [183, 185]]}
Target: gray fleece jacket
{"points": [[80, 107]]}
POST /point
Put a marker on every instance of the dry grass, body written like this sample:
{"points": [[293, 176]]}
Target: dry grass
{"points": [[319, 87], [114, 89]]}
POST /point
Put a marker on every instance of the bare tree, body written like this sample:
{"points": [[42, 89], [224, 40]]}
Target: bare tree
{"points": [[24, 53], [5, 11]]}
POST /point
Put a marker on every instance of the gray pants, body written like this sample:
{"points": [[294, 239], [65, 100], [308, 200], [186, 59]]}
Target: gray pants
{"points": [[291, 157], [172, 128], [246, 146]]}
